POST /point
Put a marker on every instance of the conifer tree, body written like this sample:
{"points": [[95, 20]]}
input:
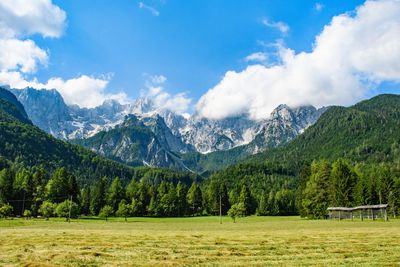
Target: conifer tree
{"points": [[195, 199]]}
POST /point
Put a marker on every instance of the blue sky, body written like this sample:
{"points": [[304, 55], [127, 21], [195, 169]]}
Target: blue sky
{"points": [[192, 43], [217, 58]]}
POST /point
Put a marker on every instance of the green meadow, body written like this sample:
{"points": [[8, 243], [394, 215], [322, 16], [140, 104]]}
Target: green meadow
{"points": [[198, 241]]}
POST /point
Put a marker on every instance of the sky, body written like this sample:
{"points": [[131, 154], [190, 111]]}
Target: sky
{"points": [[216, 58]]}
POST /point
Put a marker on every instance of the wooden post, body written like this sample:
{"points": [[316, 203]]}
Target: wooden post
{"points": [[351, 214], [220, 209], [361, 215], [372, 212], [69, 213], [386, 217], [340, 217]]}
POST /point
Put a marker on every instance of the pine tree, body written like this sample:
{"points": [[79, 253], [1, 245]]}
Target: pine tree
{"points": [[343, 184], [115, 194], [23, 189], [316, 193], [73, 188], [195, 199], [85, 200], [57, 187], [39, 178], [262, 206], [246, 199], [181, 192], [98, 197], [6, 185]]}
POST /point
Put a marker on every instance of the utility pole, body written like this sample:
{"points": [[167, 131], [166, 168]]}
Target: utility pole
{"points": [[220, 209], [23, 205], [70, 207]]}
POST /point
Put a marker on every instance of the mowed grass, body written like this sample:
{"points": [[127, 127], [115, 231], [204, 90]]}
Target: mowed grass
{"points": [[252, 241]]}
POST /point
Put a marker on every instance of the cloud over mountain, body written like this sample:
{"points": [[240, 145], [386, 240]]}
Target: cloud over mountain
{"points": [[352, 55], [21, 57]]}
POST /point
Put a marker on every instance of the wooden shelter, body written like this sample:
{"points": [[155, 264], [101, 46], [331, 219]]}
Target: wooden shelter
{"points": [[363, 212]]}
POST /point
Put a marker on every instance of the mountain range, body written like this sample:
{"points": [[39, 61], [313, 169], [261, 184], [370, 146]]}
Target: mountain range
{"points": [[139, 133], [367, 132]]}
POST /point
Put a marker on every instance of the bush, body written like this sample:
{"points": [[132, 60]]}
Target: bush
{"points": [[27, 214], [47, 209], [5, 210], [123, 209], [106, 212], [237, 210], [63, 209]]}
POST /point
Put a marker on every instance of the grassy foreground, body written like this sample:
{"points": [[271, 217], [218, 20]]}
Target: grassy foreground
{"points": [[256, 241]]}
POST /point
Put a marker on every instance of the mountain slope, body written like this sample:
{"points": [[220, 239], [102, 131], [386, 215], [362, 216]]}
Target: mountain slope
{"points": [[367, 131], [26, 144], [281, 127], [133, 143], [47, 109]]}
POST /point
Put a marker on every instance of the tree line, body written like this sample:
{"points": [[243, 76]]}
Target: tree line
{"points": [[341, 184], [36, 192], [240, 190]]}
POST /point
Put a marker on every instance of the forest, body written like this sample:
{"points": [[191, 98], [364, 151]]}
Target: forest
{"points": [[261, 189]]}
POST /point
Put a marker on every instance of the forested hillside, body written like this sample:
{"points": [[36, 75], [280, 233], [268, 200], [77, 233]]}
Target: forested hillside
{"points": [[366, 132], [24, 145], [351, 156]]}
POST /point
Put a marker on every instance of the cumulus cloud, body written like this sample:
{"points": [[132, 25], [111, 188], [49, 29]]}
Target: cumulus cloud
{"points": [[161, 99], [21, 17], [352, 55], [84, 90], [257, 57], [20, 57], [279, 25]]}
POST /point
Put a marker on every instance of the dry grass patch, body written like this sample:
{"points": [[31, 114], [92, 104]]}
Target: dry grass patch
{"points": [[256, 241]]}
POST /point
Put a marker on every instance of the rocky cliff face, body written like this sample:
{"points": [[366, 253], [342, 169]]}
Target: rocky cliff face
{"points": [[166, 133], [283, 125]]}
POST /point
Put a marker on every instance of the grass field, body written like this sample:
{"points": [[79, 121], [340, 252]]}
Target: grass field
{"points": [[252, 241]]}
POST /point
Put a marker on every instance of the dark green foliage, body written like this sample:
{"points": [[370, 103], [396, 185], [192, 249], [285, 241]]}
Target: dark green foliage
{"points": [[67, 209], [316, 193], [366, 132], [343, 180], [5, 210], [84, 200], [246, 199], [194, 199], [6, 184], [341, 184], [27, 146], [98, 196], [115, 194]]}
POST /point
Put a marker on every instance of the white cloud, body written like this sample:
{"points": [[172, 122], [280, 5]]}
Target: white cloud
{"points": [[151, 9], [21, 55], [352, 55], [83, 90], [257, 57], [178, 103], [279, 25], [22, 17], [318, 6]]}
